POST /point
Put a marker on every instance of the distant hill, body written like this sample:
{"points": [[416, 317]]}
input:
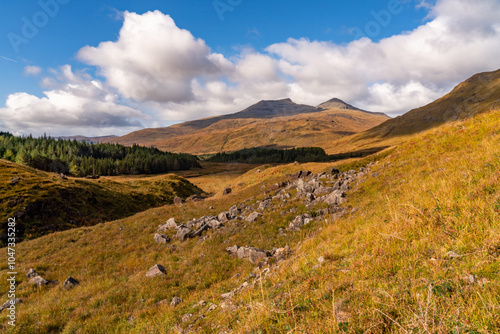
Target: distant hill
{"points": [[277, 124], [478, 94]]}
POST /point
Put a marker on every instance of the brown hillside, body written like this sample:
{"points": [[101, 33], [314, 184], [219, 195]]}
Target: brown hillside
{"points": [[268, 123], [477, 94]]}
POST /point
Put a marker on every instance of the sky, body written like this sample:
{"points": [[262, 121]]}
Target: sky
{"points": [[70, 67]]}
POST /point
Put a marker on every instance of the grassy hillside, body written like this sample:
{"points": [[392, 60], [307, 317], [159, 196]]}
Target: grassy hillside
{"points": [[43, 202], [476, 95], [418, 252]]}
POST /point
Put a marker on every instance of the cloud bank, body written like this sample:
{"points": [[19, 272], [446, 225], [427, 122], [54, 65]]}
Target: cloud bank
{"points": [[156, 66]]}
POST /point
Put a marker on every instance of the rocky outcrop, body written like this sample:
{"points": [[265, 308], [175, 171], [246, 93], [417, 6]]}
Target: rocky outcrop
{"points": [[38, 281], [156, 270], [70, 283], [31, 273], [252, 217], [10, 302], [170, 224], [176, 301], [161, 238]]}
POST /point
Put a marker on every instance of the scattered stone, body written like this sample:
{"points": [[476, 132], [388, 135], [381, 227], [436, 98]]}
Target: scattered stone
{"points": [[334, 172], [299, 221], [335, 198], [201, 303], [31, 273], [183, 232], [14, 180], [264, 204], [156, 270], [228, 295], [321, 259], [253, 254], [224, 217], [232, 250], [62, 176], [199, 231], [301, 174], [161, 238], [227, 191], [170, 224], [186, 317], [10, 302], [452, 255], [252, 217], [282, 253], [38, 281], [175, 301], [234, 211], [179, 200], [194, 198], [70, 283], [212, 307]]}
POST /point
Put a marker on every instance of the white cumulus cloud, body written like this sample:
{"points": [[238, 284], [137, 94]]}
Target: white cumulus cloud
{"points": [[74, 105]]}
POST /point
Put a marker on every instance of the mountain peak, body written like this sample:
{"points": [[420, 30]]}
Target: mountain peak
{"points": [[273, 108], [338, 104]]}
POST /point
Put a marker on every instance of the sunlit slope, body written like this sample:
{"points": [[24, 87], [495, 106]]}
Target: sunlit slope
{"points": [[478, 94]]}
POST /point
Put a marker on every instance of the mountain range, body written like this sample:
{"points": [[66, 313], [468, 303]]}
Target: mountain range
{"points": [[275, 123]]}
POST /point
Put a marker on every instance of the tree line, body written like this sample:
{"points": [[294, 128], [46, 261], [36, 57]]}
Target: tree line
{"points": [[80, 158], [265, 155]]}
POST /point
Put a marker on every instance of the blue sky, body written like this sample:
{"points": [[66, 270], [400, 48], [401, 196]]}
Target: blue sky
{"points": [[203, 58]]}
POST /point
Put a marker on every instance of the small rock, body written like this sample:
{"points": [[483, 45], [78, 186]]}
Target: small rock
{"points": [[178, 200], [169, 224], [31, 273], [186, 317], [183, 232], [224, 217], [161, 238], [175, 301], [70, 283], [252, 217], [226, 191], [232, 250], [10, 302], [201, 303], [452, 255], [38, 281], [228, 295], [156, 270], [212, 307], [234, 211], [321, 259]]}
